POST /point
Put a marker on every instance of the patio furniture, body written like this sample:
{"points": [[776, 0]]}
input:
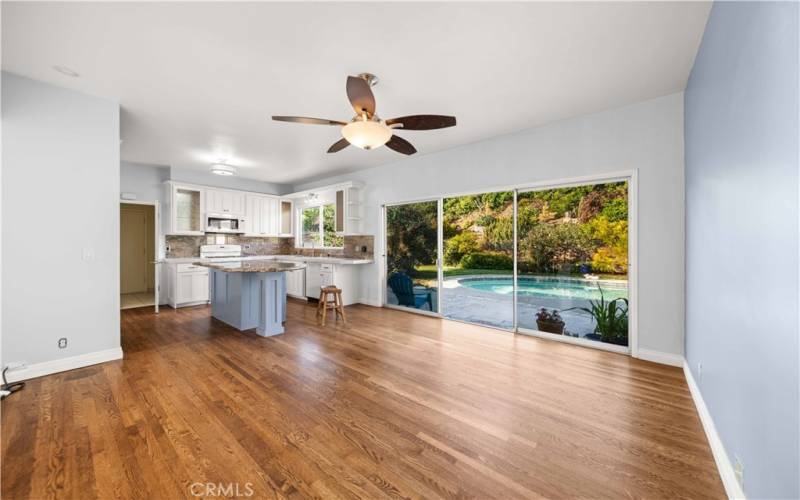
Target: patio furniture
{"points": [[403, 288]]}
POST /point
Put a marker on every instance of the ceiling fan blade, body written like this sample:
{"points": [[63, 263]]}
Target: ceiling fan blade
{"points": [[401, 145], [338, 146], [306, 120], [360, 95], [423, 122]]}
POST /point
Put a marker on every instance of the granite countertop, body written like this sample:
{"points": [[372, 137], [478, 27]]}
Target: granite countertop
{"points": [[292, 258], [252, 266]]}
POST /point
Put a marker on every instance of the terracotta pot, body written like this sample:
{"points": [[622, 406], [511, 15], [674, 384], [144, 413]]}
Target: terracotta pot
{"points": [[550, 326]]}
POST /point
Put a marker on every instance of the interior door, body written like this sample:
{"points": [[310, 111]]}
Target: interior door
{"points": [[133, 251], [412, 256]]}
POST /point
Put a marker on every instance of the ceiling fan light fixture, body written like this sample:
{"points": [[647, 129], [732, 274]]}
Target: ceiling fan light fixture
{"points": [[367, 134], [223, 169]]}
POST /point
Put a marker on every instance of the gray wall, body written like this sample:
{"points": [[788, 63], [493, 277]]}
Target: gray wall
{"points": [[647, 136], [60, 201], [145, 181], [742, 237], [206, 178]]}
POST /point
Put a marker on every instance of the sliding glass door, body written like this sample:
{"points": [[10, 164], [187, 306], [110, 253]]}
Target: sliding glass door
{"points": [[412, 249], [478, 234], [549, 261], [572, 262]]}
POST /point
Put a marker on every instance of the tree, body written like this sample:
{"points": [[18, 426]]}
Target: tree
{"points": [[411, 236]]}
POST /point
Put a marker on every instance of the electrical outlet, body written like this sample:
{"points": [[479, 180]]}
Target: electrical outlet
{"points": [[699, 371], [738, 470], [62, 343]]}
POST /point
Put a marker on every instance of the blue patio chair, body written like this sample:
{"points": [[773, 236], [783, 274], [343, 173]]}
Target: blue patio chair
{"points": [[403, 289]]}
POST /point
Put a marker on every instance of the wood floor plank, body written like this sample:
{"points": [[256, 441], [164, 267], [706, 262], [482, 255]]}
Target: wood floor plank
{"points": [[391, 405]]}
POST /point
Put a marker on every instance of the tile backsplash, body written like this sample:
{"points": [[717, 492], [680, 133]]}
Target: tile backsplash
{"points": [[356, 246]]}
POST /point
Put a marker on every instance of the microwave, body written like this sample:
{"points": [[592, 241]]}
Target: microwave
{"points": [[224, 223]]}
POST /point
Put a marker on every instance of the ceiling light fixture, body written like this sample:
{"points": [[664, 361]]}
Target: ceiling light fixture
{"points": [[67, 71], [367, 134], [223, 169]]}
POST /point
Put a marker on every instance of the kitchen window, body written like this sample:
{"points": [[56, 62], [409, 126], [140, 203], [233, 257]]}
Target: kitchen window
{"points": [[318, 227]]}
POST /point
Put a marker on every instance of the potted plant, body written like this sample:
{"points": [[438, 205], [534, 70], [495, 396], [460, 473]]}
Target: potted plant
{"points": [[611, 319], [549, 321]]}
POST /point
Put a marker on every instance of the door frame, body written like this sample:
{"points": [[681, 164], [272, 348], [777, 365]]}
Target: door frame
{"points": [[384, 275], [631, 176], [158, 253]]}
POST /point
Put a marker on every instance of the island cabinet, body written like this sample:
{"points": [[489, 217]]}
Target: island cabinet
{"points": [[343, 276], [187, 285]]}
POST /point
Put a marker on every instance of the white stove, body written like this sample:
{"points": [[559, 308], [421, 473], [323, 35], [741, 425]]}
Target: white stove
{"points": [[220, 251]]}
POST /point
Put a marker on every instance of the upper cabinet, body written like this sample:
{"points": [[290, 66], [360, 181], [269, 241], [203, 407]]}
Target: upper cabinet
{"points": [[264, 216], [286, 218], [184, 209], [223, 201], [348, 210]]}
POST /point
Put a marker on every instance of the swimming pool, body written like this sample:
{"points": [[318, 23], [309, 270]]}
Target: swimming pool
{"points": [[557, 288]]}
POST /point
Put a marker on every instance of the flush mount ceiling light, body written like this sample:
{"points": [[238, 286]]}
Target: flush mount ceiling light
{"points": [[223, 169], [366, 130], [67, 71]]}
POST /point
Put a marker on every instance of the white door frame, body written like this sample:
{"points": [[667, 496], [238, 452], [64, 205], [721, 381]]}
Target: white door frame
{"points": [[383, 274], [631, 176], [158, 251]]}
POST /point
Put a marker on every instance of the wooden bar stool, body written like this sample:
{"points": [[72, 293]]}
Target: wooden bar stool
{"points": [[335, 304]]}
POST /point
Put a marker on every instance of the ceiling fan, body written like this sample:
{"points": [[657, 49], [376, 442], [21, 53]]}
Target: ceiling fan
{"points": [[366, 130]]}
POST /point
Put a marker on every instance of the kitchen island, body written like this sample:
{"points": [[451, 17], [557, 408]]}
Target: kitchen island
{"points": [[249, 294]]}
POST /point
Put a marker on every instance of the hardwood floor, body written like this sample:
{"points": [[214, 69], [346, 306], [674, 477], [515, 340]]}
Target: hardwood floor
{"points": [[391, 405]]}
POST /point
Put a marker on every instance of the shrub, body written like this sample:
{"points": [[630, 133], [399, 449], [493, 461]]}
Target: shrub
{"points": [[550, 248], [500, 234], [458, 246], [486, 260]]}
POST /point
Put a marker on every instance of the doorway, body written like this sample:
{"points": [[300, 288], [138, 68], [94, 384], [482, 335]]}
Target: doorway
{"points": [[412, 256], [137, 255]]}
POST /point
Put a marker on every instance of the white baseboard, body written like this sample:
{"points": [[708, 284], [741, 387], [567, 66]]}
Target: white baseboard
{"points": [[726, 470], [665, 358], [64, 364], [369, 302]]}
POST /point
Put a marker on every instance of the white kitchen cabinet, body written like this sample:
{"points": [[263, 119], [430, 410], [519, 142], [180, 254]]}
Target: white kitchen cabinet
{"points": [[187, 285], [296, 283], [348, 210], [183, 211], [287, 217], [343, 276], [224, 201], [263, 215]]}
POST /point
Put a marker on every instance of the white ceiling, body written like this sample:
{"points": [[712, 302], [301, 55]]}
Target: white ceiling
{"points": [[199, 81]]}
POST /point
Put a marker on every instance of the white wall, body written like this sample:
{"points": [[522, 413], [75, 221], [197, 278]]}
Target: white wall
{"points": [[647, 136], [60, 197]]}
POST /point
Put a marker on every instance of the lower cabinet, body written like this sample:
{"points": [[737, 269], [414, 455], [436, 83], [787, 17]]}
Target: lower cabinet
{"points": [[343, 276], [188, 285], [296, 283]]}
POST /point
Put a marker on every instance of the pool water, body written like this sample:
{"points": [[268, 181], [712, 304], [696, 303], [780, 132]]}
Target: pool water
{"points": [[550, 287]]}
